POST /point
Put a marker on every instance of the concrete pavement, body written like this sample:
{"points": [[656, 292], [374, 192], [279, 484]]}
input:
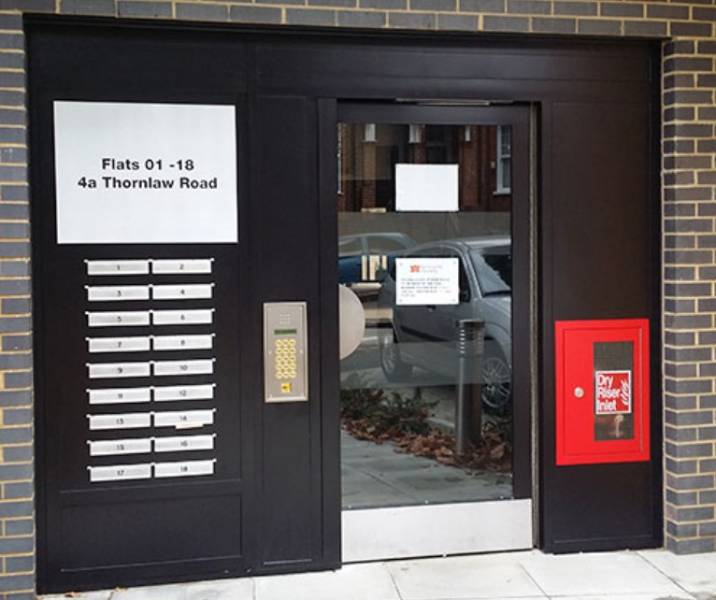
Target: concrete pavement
{"points": [[644, 575]]}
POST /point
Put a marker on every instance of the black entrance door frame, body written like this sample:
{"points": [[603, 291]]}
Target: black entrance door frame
{"points": [[589, 93]]}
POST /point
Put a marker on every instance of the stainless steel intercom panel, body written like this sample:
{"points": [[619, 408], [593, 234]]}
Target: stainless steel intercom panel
{"points": [[285, 352]]}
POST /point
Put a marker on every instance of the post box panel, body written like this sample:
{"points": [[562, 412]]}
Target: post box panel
{"points": [[119, 395], [602, 391], [183, 342], [183, 291], [184, 443], [184, 367], [184, 419], [128, 318], [120, 421], [116, 293], [184, 468], [178, 266], [114, 370], [117, 267], [120, 472], [122, 446], [184, 392], [183, 317], [118, 344]]}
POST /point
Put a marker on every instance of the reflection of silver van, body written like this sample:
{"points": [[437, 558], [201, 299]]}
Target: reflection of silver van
{"points": [[425, 336]]}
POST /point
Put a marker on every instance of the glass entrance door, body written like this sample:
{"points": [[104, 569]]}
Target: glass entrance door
{"points": [[433, 247]]}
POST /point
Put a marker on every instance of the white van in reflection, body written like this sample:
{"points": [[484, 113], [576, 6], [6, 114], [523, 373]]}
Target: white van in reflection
{"points": [[425, 336]]}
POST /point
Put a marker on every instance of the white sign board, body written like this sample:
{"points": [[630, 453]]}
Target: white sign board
{"points": [[131, 173], [427, 281], [426, 188]]}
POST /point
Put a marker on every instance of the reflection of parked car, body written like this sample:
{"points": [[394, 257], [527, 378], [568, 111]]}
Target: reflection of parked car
{"points": [[363, 258], [426, 335]]}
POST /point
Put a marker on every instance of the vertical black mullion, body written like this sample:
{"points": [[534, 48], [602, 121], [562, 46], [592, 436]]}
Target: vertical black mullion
{"points": [[521, 343], [330, 364]]}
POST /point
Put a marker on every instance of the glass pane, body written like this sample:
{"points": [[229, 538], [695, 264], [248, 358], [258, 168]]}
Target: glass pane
{"points": [[506, 173], [613, 406], [505, 141], [424, 243]]}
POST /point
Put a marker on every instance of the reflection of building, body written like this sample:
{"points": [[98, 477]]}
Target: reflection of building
{"points": [[368, 153]]}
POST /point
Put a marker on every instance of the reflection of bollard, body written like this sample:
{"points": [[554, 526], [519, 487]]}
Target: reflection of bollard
{"points": [[468, 408]]}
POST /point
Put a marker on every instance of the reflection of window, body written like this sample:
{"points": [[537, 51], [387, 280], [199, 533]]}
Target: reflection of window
{"points": [[504, 160], [493, 266]]}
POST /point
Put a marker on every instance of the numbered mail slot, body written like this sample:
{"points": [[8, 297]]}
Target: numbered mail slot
{"points": [[183, 317], [183, 342], [120, 395], [184, 419], [111, 370], [117, 267], [184, 392], [182, 292], [180, 266], [185, 468], [120, 421], [184, 443], [184, 367], [128, 318], [120, 472], [105, 293], [127, 446], [119, 344]]}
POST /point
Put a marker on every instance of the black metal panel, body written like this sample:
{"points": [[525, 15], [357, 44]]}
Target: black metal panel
{"points": [[287, 263], [600, 253], [484, 69], [240, 520]]}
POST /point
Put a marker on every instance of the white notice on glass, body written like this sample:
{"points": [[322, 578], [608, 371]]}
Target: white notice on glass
{"points": [[427, 281], [136, 173], [426, 188]]}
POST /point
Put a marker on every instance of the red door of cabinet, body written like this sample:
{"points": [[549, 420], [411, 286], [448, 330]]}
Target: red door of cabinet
{"points": [[602, 391]]}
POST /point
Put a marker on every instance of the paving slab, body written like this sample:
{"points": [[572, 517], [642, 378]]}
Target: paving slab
{"points": [[464, 578], [682, 596], [352, 582], [375, 475], [528, 575], [227, 589], [159, 592], [695, 573], [604, 573]]}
